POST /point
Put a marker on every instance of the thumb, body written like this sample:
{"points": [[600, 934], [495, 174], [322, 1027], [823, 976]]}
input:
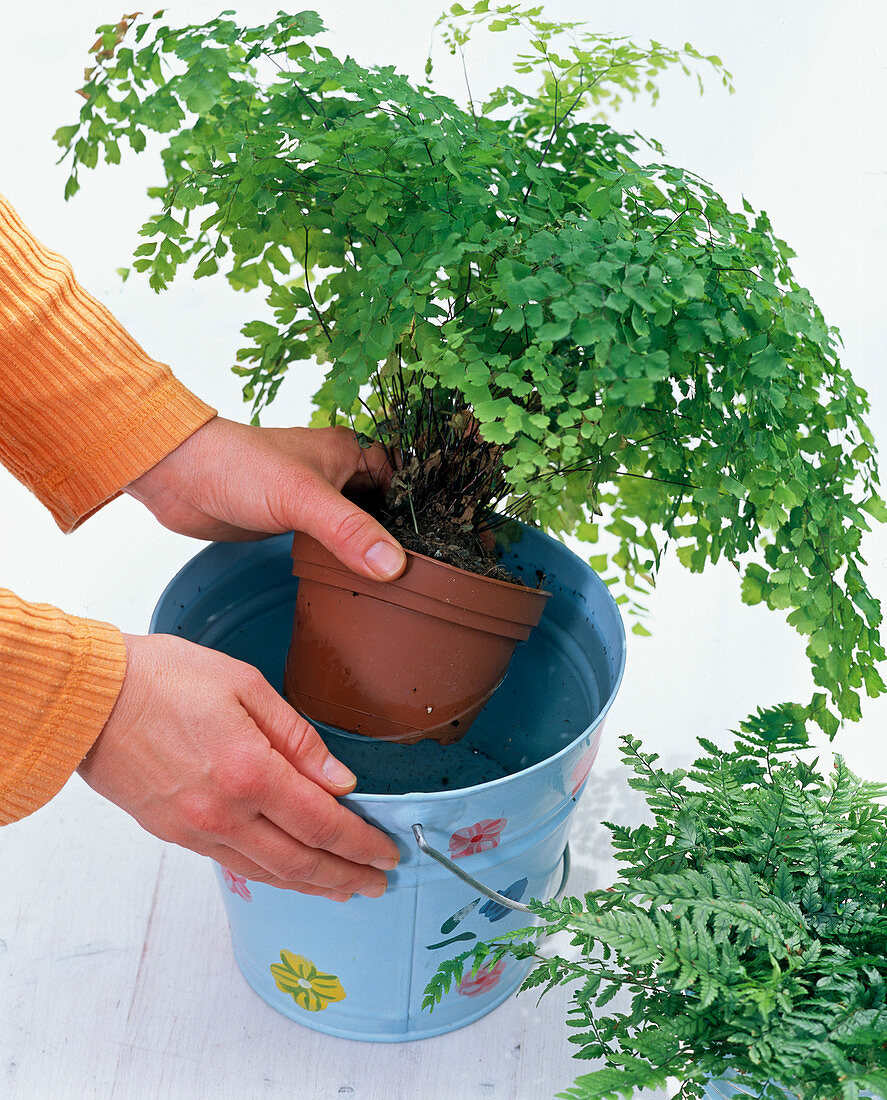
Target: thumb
{"points": [[356, 539]]}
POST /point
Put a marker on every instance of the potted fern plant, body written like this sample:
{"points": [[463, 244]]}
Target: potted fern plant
{"points": [[746, 932], [534, 313]]}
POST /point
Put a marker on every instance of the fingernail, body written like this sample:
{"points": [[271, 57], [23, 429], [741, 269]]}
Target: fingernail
{"points": [[373, 891], [385, 559], [387, 864], [336, 772]]}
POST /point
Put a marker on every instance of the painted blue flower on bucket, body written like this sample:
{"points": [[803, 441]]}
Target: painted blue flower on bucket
{"points": [[494, 910], [491, 910]]}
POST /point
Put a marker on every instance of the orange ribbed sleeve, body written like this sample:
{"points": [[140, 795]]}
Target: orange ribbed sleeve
{"points": [[83, 411], [59, 679]]}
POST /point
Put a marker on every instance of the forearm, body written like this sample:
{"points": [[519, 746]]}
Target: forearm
{"points": [[83, 410], [59, 678]]}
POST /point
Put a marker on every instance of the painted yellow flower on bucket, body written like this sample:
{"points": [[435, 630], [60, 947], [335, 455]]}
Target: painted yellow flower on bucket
{"points": [[309, 988]]}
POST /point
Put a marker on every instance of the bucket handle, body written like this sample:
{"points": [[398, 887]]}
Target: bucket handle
{"points": [[419, 834]]}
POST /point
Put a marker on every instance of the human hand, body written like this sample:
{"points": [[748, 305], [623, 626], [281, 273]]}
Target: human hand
{"points": [[233, 482], [203, 752]]}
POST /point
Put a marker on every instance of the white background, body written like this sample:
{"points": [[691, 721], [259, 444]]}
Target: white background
{"points": [[803, 138]]}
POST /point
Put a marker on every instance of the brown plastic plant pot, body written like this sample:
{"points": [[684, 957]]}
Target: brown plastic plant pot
{"points": [[407, 660]]}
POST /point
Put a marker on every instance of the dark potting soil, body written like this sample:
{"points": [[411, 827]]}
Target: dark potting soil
{"points": [[438, 537], [454, 545]]}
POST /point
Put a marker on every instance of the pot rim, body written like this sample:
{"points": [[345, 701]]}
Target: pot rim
{"points": [[442, 565]]}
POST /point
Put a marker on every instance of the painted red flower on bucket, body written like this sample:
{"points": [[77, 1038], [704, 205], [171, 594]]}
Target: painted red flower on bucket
{"points": [[480, 837], [583, 768], [236, 884], [483, 981]]}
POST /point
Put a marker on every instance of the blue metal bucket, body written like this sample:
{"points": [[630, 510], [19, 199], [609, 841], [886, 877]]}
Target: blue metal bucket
{"points": [[733, 1089], [495, 807]]}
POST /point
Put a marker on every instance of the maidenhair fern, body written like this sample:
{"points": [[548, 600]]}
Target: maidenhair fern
{"points": [[535, 313]]}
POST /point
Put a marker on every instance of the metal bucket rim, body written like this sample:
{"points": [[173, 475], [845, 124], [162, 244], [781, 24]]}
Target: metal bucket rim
{"points": [[455, 792]]}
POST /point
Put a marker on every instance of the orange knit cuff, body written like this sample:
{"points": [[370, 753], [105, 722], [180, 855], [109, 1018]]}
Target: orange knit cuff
{"points": [[59, 679], [148, 430]]}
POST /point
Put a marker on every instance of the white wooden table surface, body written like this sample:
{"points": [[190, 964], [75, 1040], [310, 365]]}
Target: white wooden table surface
{"points": [[116, 976]]}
